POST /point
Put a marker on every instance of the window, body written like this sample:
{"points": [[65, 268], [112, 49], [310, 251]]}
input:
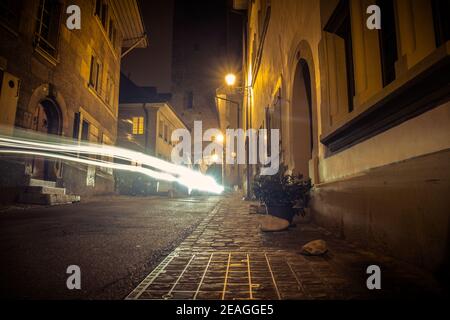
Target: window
{"points": [[109, 98], [112, 32], [10, 13], [161, 128], [76, 126], [47, 26], [388, 41], [340, 25], [95, 74], [85, 131], [104, 16], [189, 100], [441, 8], [166, 133], [101, 11], [98, 8], [138, 125]]}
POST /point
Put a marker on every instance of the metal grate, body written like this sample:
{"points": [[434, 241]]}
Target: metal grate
{"points": [[222, 276]]}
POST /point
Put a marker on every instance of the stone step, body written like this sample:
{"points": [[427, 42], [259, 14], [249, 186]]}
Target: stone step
{"points": [[41, 183], [45, 190], [48, 199]]}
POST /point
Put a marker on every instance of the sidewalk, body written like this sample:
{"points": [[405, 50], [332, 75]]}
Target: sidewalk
{"points": [[227, 257]]}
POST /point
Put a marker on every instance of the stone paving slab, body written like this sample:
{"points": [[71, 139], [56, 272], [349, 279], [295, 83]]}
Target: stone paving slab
{"points": [[227, 257]]}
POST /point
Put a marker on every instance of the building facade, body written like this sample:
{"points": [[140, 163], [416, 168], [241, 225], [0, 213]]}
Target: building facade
{"points": [[146, 123], [364, 113], [64, 82]]}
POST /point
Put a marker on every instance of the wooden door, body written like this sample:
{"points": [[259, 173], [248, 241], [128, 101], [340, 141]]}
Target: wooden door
{"points": [[41, 125]]}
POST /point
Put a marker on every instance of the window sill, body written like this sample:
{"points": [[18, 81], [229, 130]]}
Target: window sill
{"points": [[44, 54], [423, 87]]}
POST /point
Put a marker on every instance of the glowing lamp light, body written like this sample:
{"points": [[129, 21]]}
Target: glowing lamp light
{"points": [[220, 138], [74, 151], [230, 79], [214, 157]]}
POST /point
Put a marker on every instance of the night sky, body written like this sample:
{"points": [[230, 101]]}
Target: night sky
{"points": [[152, 66]]}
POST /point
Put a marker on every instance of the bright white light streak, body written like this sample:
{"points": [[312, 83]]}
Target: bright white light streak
{"points": [[102, 150], [185, 176], [112, 165]]}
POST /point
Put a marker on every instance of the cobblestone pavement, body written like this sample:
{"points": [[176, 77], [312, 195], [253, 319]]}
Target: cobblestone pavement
{"points": [[227, 257]]}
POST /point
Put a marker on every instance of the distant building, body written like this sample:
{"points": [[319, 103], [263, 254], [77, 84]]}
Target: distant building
{"points": [[205, 48], [364, 113], [146, 122], [64, 82]]}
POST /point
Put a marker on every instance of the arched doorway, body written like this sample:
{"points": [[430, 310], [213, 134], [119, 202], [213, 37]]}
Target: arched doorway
{"points": [[301, 119], [46, 120]]}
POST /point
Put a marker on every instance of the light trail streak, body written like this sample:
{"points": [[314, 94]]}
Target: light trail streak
{"points": [[112, 165], [73, 150]]}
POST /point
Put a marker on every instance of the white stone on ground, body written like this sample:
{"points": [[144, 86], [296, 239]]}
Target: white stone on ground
{"points": [[314, 248], [271, 224]]}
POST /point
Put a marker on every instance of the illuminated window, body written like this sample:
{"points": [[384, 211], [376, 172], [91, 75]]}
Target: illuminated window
{"points": [[138, 125]]}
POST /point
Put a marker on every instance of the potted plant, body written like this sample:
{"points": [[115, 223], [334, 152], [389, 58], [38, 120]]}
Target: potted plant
{"points": [[283, 194]]}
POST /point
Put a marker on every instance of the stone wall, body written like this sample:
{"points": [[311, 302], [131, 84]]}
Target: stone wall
{"points": [[64, 78], [400, 209], [74, 180]]}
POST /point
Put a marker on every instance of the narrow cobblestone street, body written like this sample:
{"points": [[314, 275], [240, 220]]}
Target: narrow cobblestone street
{"points": [[227, 257]]}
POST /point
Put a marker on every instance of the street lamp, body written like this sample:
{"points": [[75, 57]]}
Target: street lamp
{"points": [[220, 138], [230, 79], [214, 158]]}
